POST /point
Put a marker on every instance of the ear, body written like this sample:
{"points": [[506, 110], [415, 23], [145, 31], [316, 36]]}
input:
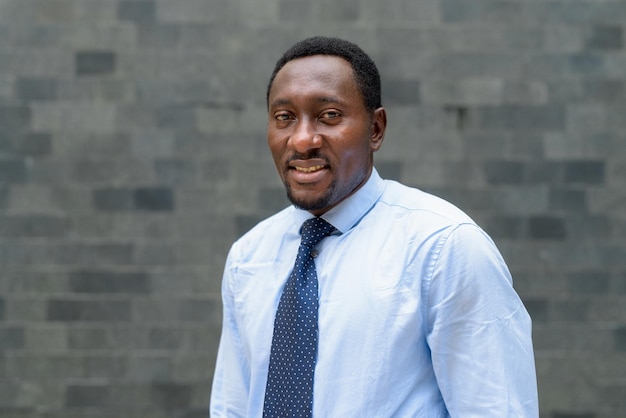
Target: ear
{"points": [[379, 124]]}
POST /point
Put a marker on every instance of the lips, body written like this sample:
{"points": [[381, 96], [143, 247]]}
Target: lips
{"points": [[309, 169]]}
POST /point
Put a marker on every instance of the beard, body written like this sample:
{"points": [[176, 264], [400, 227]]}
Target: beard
{"points": [[312, 204]]}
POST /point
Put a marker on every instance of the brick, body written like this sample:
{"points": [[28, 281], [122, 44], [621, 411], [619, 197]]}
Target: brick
{"points": [[589, 172], [521, 118], [174, 172], [113, 199], [11, 338], [166, 339], [88, 311], [570, 310], [88, 339], [570, 200], [588, 227], [588, 282], [154, 199], [482, 10], [13, 171], [137, 11], [88, 395], [171, 396], [295, 10], [34, 144], [606, 38], [158, 36], [339, 10], [564, 414], [4, 197], [108, 282], [504, 172], [273, 199], [546, 227], [34, 226], [619, 336], [14, 118], [402, 92], [95, 63], [33, 89]]}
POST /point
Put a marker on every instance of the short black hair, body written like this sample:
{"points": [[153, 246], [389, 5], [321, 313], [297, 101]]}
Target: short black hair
{"points": [[365, 72]]}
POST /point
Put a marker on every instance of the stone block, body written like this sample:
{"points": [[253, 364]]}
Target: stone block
{"points": [[547, 227], [88, 338], [154, 199], [344, 11], [586, 172], [109, 282], [171, 396], [174, 172], [273, 199], [88, 395], [95, 63], [520, 118], [150, 368], [137, 11], [606, 38], [481, 11], [13, 171], [166, 339], [36, 89], [402, 92], [30, 226], [88, 311], [504, 172], [113, 199], [296, 10], [11, 338], [159, 36], [570, 200], [14, 119], [619, 336]]}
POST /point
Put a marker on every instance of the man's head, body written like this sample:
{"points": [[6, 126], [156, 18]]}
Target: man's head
{"points": [[366, 74], [324, 121]]}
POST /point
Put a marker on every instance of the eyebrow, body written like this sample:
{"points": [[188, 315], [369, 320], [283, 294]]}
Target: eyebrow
{"points": [[321, 99]]}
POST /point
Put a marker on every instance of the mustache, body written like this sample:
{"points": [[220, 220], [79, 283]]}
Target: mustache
{"points": [[307, 156]]}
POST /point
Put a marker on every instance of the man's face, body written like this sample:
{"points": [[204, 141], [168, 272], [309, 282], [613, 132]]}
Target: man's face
{"points": [[319, 132]]}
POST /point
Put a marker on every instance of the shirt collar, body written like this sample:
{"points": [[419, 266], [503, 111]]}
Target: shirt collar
{"points": [[350, 211]]}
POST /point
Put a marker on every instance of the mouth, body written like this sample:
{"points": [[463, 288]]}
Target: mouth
{"points": [[311, 169]]}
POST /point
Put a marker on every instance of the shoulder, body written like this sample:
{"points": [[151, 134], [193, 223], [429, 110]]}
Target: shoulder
{"points": [[415, 203]]}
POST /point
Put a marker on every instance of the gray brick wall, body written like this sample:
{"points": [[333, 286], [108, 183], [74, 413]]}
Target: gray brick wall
{"points": [[132, 153]]}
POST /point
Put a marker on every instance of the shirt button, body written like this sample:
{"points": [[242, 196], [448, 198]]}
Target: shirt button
{"points": [[314, 253]]}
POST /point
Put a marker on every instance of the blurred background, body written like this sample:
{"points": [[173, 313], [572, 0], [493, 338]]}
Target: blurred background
{"points": [[133, 153]]}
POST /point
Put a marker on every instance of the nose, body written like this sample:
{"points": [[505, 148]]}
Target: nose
{"points": [[305, 137]]}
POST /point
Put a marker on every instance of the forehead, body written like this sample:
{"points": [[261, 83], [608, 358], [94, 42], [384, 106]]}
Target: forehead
{"points": [[327, 73]]}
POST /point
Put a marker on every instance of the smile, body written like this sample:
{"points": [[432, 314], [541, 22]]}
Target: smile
{"points": [[309, 169]]}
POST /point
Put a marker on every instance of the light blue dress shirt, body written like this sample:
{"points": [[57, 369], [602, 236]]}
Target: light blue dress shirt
{"points": [[417, 313]]}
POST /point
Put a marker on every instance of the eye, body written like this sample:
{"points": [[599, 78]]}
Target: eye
{"points": [[282, 117], [330, 114]]}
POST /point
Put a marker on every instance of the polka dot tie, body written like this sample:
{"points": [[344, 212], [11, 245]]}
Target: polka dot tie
{"points": [[289, 390]]}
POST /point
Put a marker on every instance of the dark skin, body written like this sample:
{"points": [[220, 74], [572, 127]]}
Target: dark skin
{"points": [[320, 134]]}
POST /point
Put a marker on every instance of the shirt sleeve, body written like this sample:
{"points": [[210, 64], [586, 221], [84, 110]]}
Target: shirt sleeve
{"points": [[479, 332], [231, 381]]}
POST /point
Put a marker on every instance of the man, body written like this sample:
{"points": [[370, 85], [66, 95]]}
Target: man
{"points": [[414, 314]]}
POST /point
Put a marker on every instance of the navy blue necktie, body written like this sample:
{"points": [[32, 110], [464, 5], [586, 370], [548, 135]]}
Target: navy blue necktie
{"points": [[289, 390]]}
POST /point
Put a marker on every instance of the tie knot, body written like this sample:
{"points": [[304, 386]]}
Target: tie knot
{"points": [[314, 230]]}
